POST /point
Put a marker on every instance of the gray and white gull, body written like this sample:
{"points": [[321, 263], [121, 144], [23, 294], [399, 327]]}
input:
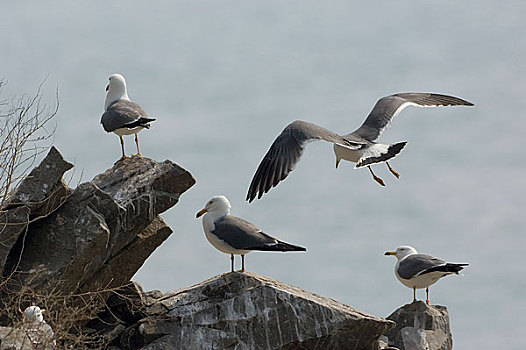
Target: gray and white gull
{"points": [[233, 235], [358, 147], [122, 116], [418, 271]]}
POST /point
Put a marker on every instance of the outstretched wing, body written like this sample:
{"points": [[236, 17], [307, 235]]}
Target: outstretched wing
{"points": [[285, 152], [390, 106]]}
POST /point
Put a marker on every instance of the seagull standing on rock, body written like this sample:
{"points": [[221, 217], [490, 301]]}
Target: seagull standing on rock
{"points": [[418, 271], [358, 147], [233, 235], [122, 116]]}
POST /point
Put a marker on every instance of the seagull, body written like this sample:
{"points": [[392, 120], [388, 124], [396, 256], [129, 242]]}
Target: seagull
{"points": [[419, 271], [122, 116], [233, 235], [37, 330], [358, 147]]}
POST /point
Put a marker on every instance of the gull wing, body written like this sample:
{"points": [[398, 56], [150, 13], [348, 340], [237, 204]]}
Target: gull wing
{"points": [[388, 107], [286, 151], [242, 234], [123, 114]]}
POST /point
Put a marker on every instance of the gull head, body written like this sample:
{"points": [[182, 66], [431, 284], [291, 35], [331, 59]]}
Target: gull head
{"points": [[116, 90], [402, 251], [218, 206], [34, 314]]}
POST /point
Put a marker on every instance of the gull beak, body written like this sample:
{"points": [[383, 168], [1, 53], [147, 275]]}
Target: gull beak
{"points": [[201, 212], [337, 162], [107, 87], [390, 253], [42, 310]]}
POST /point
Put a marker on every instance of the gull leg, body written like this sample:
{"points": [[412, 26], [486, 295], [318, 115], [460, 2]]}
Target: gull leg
{"points": [[122, 147], [376, 178], [394, 172], [242, 263], [137, 143], [427, 295], [232, 262], [414, 294]]}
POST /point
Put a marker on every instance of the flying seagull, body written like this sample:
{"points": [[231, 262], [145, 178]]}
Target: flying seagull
{"points": [[419, 271], [122, 116], [233, 235], [358, 147]]}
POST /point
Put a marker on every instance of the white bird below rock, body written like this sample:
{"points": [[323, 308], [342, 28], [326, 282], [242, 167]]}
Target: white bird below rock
{"points": [[37, 330]]}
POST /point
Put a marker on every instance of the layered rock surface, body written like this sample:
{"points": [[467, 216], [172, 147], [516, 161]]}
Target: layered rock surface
{"points": [[96, 236], [250, 311]]}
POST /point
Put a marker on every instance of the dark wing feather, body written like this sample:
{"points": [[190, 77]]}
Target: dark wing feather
{"points": [[388, 107], [416, 264], [124, 114], [285, 152], [242, 234]]}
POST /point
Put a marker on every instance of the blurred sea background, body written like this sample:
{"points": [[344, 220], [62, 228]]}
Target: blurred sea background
{"points": [[223, 78]]}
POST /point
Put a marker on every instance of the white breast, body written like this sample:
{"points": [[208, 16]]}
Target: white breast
{"points": [[347, 154], [208, 226]]}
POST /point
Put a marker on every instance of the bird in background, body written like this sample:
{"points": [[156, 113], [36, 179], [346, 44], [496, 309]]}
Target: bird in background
{"points": [[235, 236], [38, 332], [122, 116], [358, 147], [418, 271]]}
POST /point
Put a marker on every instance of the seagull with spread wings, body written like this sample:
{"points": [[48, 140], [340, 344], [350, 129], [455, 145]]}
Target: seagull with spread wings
{"points": [[358, 147]]}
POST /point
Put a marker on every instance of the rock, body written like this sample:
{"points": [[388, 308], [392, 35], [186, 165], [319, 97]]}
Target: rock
{"points": [[249, 311], [13, 223], [103, 232], [420, 326], [37, 195], [43, 190], [24, 338]]}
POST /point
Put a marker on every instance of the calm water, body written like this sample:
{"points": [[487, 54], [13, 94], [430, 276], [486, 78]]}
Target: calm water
{"points": [[224, 78]]}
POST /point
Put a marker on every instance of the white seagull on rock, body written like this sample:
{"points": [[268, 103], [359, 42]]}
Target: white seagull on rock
{"points": [[37, 330], [233, 235], [418, 271], [358, 147], [122, 116]]}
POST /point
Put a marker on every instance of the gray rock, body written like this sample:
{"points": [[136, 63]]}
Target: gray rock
{"points": [[249, 311], [37, 195], [420, 326], [103, 232], [13, 224], [43, 190], [27, 338]]}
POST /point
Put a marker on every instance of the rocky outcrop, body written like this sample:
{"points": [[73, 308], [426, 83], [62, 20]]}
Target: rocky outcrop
{"points": [[96, 236], [420, 326], [39, 194], [250, 311]]}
